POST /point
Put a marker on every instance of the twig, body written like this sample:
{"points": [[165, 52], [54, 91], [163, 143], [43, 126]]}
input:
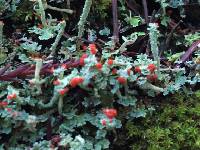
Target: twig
{"points": [[173, 70], [69, 11], [169, 36], [115, 22], [144, 2], [17, 72], [49, 128], [26, 70], [126, 43], [4, 78], [44, 5], [153, 17], [2, 71], [187, 54], [26, 40], [132, 8]]}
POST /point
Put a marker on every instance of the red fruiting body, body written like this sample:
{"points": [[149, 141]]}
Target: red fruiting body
{"points": [[110, 62], [9, 97], [99, 66], [63, 91], [114, 71], [84, 56], [82, 59], [75, 81], [152, 77], [121, 80], [137, 69], [8, 109], [110, 113], [56, 82], [3, 104], [103, 122], [64, 66], [12, 96], [93, 49], [151, 68]]}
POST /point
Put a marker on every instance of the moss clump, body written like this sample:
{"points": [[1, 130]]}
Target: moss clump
{"points": [[174, 126], [102, 6]]}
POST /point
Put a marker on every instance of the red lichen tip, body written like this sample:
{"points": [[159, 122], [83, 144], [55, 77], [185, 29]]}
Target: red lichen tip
{"points": [[76, 81], [4, 104], [62, 92], [99, 66], [121, 80], [12, 96], [110, 113], [82, 59], [110, 62], [93, 49], [151, 68], [137, 69], [103, 122]]}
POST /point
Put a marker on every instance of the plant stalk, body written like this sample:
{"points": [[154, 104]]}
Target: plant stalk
{"points": [[115, 22]]}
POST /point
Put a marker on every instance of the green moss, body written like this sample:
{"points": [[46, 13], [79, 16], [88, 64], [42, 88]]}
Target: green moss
{"points": [[174, 126], [24, 11], [102, 6]]}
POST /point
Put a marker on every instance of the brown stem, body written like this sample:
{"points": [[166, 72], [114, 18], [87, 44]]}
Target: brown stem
{"points": [[3, 70], [144, 2], [189, 52], [49, 129], [27, 70], [132, 8], [17, 71], [115, 22], [4, 78]]}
